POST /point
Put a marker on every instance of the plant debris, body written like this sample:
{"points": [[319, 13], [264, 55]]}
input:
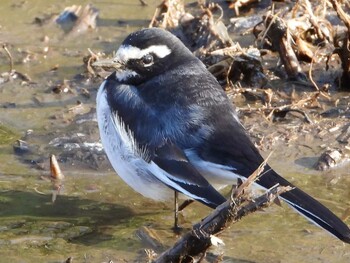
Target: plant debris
{"points": [[330, 158], [57, 177], [73, 20], [13, 74]]}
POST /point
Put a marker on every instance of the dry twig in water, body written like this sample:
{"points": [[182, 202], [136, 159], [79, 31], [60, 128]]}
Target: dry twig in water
{"points": [[4, 46], [57, 177], [197, 241]]}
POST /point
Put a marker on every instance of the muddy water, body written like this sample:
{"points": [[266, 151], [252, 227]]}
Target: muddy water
{"points": [[96, 216]]}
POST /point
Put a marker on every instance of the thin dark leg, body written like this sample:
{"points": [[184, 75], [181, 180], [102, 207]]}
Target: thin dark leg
{"points": [[176, 211]]}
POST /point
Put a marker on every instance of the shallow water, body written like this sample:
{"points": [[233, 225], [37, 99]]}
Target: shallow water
{"points": [[96, 216]]}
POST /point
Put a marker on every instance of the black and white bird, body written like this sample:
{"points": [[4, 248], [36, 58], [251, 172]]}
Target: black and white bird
{"points": [[166, 124]]}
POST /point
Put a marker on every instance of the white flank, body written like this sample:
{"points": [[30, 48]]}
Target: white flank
{"points": [[218, 175], [126, 52]]}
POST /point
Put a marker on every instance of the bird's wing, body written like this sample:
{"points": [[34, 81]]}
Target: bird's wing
{"points": [[229, 145], [178, 173]]}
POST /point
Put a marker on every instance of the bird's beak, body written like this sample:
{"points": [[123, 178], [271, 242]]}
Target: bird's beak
{"points": [[109, 64]]}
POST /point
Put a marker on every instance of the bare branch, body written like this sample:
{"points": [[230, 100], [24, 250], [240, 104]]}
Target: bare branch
{"points": [[201, 237]]}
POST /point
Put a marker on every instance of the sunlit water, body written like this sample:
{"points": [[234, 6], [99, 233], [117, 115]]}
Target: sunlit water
{"points": [[96, 216]]}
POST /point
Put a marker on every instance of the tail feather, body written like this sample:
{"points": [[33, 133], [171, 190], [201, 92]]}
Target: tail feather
{"points": [[307, 206], [317, 213]]}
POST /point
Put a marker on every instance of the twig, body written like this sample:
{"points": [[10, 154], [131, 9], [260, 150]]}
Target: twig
{"points": [[201, 237], [343, 50], [4, 46], [39, 192], [90, 61], [143, 3], [310, 71], [320, 31], [284, 108], [154, 18], [280, 37], [251, 179], [341, 13]]}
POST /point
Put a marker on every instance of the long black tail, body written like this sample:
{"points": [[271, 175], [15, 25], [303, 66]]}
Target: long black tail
{"points": [[308, 206]]}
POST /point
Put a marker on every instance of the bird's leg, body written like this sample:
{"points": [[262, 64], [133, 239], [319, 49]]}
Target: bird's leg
{"points": [[185, 204], [176, 212], [177, 209]]}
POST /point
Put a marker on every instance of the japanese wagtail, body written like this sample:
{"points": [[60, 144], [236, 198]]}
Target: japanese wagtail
{"points": [[167, 125]]}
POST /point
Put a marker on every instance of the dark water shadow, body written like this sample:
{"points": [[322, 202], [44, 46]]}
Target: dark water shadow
{"points": [[33, 207], [235, 260], [38, 208], [18, 203], [307, 162], [37, 104], [210, 257]]}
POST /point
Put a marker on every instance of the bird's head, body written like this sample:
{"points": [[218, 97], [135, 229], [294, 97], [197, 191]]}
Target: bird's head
{"points": [[145, 54]]}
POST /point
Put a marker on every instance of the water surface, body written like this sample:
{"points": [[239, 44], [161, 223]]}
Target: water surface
{"points": [[96, 216]]}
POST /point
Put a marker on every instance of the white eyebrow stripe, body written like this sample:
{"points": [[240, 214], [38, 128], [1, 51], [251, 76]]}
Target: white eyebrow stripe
{"points": [[126, 52]]}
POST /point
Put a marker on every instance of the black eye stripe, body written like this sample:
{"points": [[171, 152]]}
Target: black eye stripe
{"points": [[133, 62], [145, 60]]}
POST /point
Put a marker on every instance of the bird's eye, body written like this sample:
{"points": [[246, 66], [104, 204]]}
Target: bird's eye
{"points": [[147, 59]]}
